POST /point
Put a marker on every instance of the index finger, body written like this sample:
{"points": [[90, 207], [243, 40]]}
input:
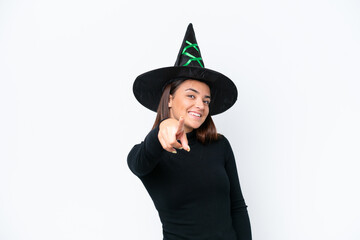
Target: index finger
{"points": [[180, 126], [184, 142]]}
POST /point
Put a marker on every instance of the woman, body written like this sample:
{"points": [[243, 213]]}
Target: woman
{"points": [[188, 168]]}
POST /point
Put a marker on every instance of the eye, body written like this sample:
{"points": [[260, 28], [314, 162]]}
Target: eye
{"points": [[207, 102], [191, 96]]}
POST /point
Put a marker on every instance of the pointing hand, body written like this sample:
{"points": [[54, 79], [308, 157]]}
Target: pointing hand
{"points": [[170, 131]]}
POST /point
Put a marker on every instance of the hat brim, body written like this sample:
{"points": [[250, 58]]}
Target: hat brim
{"points": [[148, 86]]}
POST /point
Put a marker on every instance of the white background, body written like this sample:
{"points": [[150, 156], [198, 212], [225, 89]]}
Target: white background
{"points": [[68, 117]]}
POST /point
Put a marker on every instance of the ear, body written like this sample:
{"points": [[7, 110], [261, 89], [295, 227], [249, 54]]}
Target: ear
{"points": [[170, 101]]}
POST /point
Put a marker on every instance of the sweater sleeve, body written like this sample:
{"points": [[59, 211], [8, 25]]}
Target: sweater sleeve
{"points": [[144, 157], [240, 217]]}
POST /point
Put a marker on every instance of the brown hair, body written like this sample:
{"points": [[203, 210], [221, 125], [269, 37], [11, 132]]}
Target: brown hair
{"points": [[206, 133]]}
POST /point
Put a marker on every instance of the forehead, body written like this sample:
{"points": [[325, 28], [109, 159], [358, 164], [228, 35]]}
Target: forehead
{"points": [[201, 87]]}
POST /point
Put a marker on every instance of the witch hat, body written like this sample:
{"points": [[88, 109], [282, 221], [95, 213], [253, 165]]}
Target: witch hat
{"points": [[189, 64]]}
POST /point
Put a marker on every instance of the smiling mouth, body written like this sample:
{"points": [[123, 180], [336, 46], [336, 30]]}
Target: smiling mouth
{"points": [[195, 114]]}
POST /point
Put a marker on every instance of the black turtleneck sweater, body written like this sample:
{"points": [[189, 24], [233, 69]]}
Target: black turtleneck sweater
{"points": [[196, 193]]}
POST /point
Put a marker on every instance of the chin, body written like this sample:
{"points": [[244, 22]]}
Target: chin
{"points": [[194, 126]]}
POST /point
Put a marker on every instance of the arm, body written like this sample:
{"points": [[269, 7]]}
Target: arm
{"points": [[240, 217], [144, 157]]}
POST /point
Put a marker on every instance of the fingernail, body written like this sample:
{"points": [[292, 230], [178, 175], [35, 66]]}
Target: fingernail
{"points": [[188, 149], [174, 151]]}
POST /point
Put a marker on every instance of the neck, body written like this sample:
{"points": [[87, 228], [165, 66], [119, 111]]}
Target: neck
{"points": [[188, 130]]}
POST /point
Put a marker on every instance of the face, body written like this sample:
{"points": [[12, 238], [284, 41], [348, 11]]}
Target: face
{"points": [[191, 100]]}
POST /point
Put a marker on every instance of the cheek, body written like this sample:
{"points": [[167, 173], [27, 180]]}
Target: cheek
{"points": [[183, 105], [207, 110], [179, 108]]}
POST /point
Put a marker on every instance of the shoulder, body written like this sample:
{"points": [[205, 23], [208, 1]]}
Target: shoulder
{"points": [[226, 148], [221, 141]]}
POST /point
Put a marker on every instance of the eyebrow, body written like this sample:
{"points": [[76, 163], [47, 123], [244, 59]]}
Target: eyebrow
{"points": [[191, 89]]}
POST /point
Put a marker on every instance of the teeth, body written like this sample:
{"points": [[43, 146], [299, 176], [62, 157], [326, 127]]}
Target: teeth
{"points": [[195, 114]]}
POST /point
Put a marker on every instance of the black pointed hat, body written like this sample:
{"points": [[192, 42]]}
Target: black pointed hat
{"points": [[148, 86]]}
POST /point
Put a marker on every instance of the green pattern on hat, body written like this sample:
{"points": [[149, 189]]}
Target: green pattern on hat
{"points": [[189, 54], [192, 58]]}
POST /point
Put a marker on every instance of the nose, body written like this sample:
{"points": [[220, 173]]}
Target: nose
{"points": [[200, 103]]}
